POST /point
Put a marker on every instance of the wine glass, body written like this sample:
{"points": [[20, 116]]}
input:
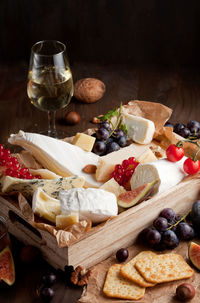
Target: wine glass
{"points": [[50, 84]]}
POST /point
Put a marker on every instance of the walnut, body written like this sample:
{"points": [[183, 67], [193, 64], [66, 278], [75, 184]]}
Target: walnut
{"points": [[90, 169], [96, 120], [80, 276], [89, 90]]}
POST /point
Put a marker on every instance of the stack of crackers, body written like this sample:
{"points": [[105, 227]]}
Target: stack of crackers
{"points": [[128, 281]]}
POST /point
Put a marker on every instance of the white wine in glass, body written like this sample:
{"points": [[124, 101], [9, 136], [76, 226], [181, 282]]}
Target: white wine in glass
{"points": [[50, 84]]}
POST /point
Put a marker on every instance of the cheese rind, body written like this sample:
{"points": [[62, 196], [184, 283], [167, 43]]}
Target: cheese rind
{"points": [[106, 164], [45, 206], [147, 156], [94, 204], [62, 158], [51, 187], [139, 129], [44, 173], [84, 141], [167, 173]]}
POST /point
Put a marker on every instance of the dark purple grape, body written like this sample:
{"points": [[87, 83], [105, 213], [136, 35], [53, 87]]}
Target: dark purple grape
{"points": [[142, 237], [122, 141], [94, 135], [111, 147], [185, 231], [102, 134], [168, 213], [49, 279], [178, 127], [105, 125], [178, 217], [168, 124], [194, 126], [170, 239], [47, 294], [160, 246], [118, 133], [153, 237], [160, 223], [184, 132], [122, 254], [99, 148]]}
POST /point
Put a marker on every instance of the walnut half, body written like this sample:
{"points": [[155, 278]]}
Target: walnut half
{"points": [[80, 276]]}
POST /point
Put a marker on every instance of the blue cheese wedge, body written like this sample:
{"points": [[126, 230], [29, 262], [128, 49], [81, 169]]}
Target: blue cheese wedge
{"points": [[94, 204], [62, 158], [51, 186], [139, 129]]}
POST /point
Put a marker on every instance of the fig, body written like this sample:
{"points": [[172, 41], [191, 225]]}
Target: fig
{"points": [[194, 254], [132, 197], [7, 267]]}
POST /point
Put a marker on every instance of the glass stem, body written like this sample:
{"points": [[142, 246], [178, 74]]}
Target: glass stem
{"points": [[51, 124]]}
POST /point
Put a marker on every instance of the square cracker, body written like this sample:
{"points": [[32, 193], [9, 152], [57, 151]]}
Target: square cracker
{"points": [[164, 268], [129, 271], [117, 286]]}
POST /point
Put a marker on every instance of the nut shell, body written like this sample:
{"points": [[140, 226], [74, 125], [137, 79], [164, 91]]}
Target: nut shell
{"points": [[185, 292], [89, 90], [72, 118]]}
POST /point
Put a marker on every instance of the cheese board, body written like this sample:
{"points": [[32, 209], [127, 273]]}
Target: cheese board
{"points": [[104, 240], [171, 187]]}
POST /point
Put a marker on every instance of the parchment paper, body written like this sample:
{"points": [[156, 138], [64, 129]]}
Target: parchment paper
{"points": [[161, 293]]}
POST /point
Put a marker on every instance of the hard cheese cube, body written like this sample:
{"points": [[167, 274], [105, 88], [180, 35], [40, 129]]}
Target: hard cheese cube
{"points": [[84, 141]]}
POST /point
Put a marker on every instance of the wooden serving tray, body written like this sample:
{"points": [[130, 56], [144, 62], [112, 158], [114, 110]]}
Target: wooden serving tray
{"points": [[101, 241]]}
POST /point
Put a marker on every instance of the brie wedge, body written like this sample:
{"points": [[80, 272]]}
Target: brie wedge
{"points": [[139, 129], [167, 174], [94, 204], [62, 158]]}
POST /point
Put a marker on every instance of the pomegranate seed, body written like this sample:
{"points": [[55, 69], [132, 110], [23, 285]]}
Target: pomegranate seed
{"points": [[15, 166], [6, 153], [131, 160], [1, 147], [1, 153], [23, 171], [15, 160], [9, 172], [15, 174], [8, 162], [2, 162], [118, 167], [125, 163], [28, 176], [37, 177]]}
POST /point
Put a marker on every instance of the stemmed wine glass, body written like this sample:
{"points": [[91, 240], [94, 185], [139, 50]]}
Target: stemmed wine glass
{"points": [[50, 84]]}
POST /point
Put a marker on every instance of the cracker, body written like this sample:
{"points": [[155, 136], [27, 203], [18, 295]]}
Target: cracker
{"points": [[116, 286], [163, 268], [129, 271]]}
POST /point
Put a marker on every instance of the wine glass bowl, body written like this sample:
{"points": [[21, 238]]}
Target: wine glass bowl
{"points": [[50, 84]]}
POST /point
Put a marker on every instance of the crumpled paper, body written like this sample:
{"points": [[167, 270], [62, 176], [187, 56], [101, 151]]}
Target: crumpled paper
{"points": [[161, 293]]}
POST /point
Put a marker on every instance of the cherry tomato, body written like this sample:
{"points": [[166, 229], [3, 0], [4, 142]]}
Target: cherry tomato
{"points": [[174, 153], [191, 167]]}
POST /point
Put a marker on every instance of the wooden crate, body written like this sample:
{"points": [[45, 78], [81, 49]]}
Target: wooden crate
{"points": [[103, 240]]}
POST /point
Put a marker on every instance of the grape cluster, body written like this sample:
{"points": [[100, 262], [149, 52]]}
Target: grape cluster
{"points": [[11, 167], [107, 139], [46, 292], [167, 230], [123, 172], [192, 129]]}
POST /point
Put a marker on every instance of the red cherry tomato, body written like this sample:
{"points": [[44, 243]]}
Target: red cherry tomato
{"points": [[174, 153], [191, 167]]}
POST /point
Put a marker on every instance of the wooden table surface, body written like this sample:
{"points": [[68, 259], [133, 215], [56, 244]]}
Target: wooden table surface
{"points": [[178, 88]]}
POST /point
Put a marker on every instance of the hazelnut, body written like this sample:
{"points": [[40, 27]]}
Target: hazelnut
{"points": [[72, 118], [185, 292], [89, 90]]}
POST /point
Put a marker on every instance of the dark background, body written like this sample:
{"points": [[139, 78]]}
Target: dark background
{"points": [[161, 32]]}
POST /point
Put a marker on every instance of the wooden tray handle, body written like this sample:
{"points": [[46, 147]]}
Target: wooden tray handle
{"points": [[24, 228]]}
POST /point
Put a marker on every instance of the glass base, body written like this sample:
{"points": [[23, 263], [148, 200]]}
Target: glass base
{"points": [[58, 134]]}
